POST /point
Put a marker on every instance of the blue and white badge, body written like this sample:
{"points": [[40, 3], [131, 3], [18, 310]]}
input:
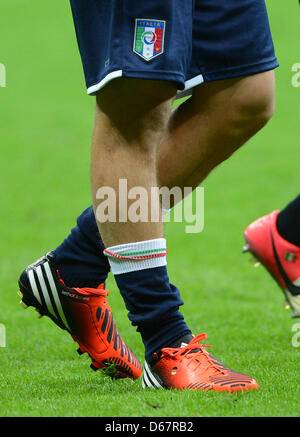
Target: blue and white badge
{"points": [[149, 38]]}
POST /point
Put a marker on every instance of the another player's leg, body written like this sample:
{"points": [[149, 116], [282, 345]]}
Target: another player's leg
{"points": [[274, 240], [288, 222]]}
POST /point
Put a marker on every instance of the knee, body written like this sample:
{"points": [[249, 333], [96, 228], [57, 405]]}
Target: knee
{"points": [[254, 104], [137, 110], [255, 111]]}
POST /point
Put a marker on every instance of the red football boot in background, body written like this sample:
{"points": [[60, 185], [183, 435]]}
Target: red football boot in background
{"points": [[281, 258]]}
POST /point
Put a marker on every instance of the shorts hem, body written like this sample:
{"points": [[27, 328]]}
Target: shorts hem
{"points": [[185, 86], [244, 70], [91, 90], [156, 75], [189, 85]]}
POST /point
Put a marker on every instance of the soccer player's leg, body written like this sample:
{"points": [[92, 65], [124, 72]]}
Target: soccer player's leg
{"points": [[164, 358], [234, 102], [236, 98], [217, 120], [83, 311], [137, 253], [76, 300], [274, 240]]}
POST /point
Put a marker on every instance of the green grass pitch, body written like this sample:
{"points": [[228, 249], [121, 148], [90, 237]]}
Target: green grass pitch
{"points": [[45, 128]]}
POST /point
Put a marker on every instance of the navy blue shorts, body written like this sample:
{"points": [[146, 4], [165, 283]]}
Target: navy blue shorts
{"points": [[184, 41]]}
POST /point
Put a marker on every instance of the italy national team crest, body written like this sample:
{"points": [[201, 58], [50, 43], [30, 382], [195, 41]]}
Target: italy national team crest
{"points": [[149, 38]]}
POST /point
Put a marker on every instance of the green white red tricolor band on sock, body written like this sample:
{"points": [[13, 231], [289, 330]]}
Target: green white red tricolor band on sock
{"points": [[137, 255], [142, 255]]}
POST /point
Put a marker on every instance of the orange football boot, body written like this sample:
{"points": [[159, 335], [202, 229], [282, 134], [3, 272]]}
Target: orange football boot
{"points": [[83, 312], [191, 367]]}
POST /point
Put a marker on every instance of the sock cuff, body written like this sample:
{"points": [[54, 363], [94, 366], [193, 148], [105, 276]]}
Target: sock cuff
{"points": [[141, 255]]}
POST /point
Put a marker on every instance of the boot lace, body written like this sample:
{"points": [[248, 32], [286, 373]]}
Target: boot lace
{"points": [[195, 351]]}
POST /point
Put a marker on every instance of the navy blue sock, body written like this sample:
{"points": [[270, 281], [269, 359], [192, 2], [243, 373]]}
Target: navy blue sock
{"points": [[153, 305], [288, 222], [80, 258], [151, 300]]}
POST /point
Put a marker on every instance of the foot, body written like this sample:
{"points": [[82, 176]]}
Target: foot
{"points": [[191, 367], [83, 312], [281, 258]]}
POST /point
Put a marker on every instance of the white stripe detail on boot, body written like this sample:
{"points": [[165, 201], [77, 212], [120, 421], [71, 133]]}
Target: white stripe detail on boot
{"points": [[151, 376], [34, 286], [143, 383], [45, 291], [56, 296], [147, 383]]}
